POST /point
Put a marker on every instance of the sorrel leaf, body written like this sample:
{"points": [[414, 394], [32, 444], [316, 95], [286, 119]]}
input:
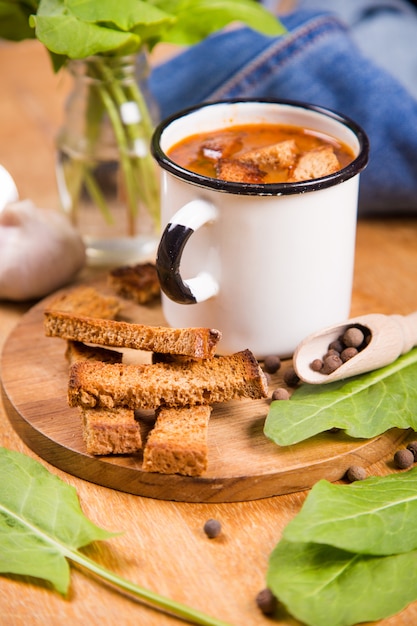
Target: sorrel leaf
{"points": [[77, 29], [349, 556], [129, 15], [364, 406], [42, 527], [40, 521], [68, 35], [196, 19], [374, 516], [324, 586]]}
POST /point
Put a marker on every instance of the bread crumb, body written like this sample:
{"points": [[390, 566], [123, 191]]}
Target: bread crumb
{"points": [[282, 154], [110, 431], [178, 442], [236, 172], [315, 164], [86, 302], [139, 282]]}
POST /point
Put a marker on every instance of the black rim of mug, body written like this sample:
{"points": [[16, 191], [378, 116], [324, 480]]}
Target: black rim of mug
{"points": [[266, 189]]}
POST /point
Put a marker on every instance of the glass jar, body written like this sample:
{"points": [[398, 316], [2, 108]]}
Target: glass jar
{"points": [[107, 179]]}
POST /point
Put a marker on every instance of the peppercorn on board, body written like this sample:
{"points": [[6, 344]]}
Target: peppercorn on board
{"points": [[242, 463]]}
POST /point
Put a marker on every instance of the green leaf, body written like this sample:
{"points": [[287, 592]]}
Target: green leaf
{"points": [[364, 406], [374, 516], [124, 16], [349, 555], [81, 28], [324, 586], [196, 19], [142, 18], [41, 521], [14, 21], [42, 525], [67, 35]]}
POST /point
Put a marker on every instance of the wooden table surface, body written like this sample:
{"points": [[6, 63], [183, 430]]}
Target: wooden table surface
{"points": [[163, 547]]}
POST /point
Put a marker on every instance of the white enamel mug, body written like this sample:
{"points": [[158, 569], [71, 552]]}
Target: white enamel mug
{"points": [[266, 264]]}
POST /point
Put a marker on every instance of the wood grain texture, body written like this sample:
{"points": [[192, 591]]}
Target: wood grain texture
{"points": [[162, 545], [242, 463]]}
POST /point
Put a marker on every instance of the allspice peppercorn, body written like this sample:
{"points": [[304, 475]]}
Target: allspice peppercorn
{"points": [[403, 458], [266, 601], [412, 446], [337, 345], [316, 365], [355, 472], [348, 353], [353, 337], [212, 528], [341, 349], [331, 363], [291, 377], [272, 363], [280, 394]]}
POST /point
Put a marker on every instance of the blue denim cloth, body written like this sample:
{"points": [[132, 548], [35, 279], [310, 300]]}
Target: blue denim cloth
{"points": [[384, 30], [318, 61]]}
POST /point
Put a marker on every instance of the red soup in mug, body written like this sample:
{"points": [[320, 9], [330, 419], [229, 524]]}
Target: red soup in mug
{"points": [[262, 153]]}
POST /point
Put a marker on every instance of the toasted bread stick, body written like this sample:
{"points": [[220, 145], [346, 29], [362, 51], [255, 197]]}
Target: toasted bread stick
{"points": [[196, 342], [166, 384], [178, 442]]}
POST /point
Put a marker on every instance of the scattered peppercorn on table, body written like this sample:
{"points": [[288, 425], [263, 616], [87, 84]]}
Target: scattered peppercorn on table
{"points": [[165, 546]]}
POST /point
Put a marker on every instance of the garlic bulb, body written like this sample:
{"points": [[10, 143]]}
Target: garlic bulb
{"points": [[40, 251], [8, 189]]}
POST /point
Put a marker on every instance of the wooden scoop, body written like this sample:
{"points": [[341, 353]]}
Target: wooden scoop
{"points": [[390, 336]]}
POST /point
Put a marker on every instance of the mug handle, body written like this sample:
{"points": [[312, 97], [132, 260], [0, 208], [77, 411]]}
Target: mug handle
{"points": [[183, 224]]}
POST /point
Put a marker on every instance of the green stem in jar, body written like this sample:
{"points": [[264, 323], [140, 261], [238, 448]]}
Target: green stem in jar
{"points": [[95, 193], [104, 88], [73, 174], [147, 163], [138, 170], [111, 90]]}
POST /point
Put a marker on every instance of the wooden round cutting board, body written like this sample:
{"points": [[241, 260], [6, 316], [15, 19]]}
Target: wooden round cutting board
{"points": [[243, 464]]}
